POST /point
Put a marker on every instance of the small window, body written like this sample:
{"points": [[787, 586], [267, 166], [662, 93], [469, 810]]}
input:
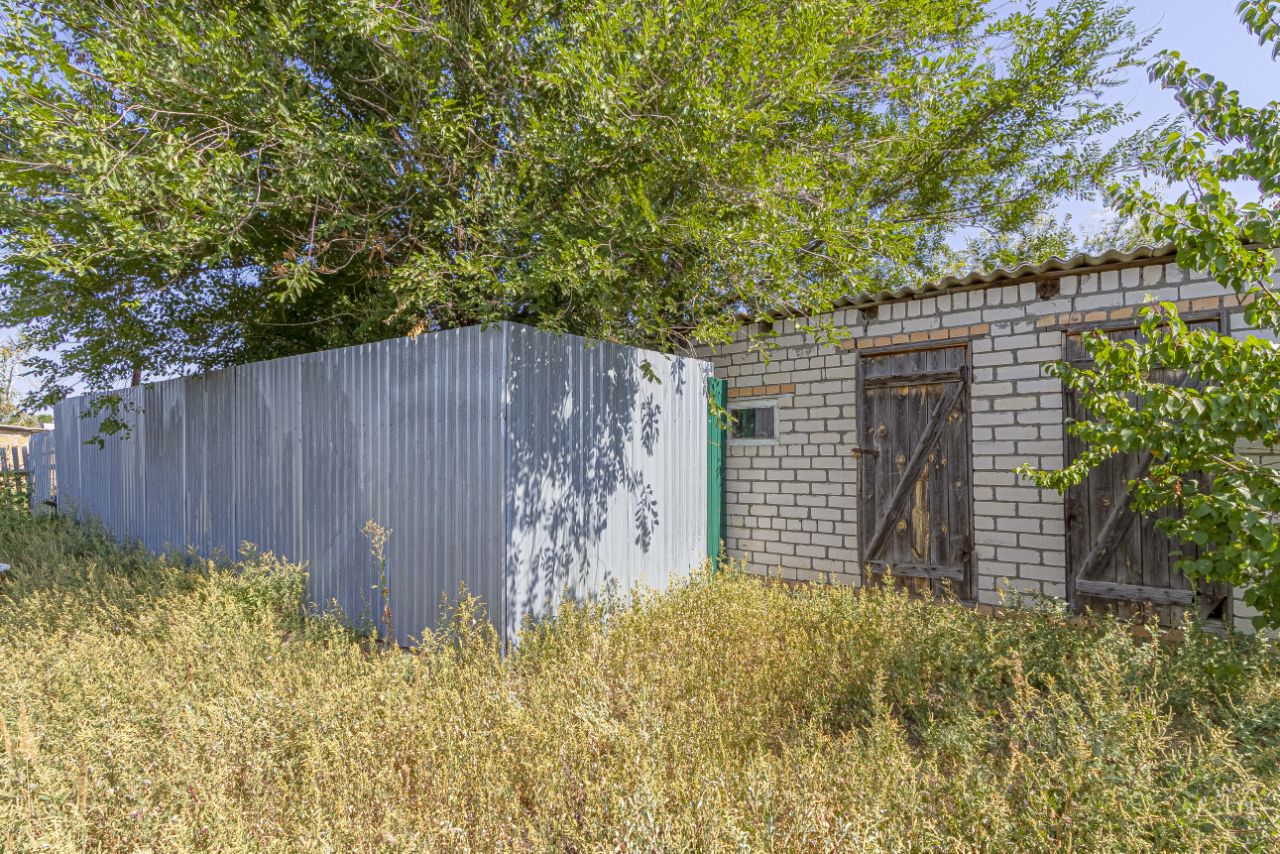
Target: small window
{"points": [[756, 420]]}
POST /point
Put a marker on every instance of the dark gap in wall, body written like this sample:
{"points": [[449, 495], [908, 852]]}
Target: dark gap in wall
{"points": [[1048, 288]]}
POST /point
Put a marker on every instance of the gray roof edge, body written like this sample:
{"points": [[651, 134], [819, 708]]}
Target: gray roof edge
{"points": [[23, 428], [1050, 267]]}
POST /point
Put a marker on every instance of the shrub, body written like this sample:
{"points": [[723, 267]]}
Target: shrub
{"points": [[171, 704]]}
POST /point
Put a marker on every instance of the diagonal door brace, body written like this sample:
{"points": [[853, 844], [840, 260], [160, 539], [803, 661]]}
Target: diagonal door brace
{"points": [[912, 471]]}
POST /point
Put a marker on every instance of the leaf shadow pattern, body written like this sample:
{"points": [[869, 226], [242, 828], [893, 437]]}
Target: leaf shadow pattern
{"points": [[650, 412], [591, 476], [518, 464]]}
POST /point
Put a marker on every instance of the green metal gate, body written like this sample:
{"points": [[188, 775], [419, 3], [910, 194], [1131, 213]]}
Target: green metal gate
{"points": [[717, 440]]}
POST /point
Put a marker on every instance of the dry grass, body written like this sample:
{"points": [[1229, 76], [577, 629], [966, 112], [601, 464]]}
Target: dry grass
{"points": [[147, 705]]}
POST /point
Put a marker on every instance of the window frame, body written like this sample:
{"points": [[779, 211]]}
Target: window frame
{"points": [[757, 403]]}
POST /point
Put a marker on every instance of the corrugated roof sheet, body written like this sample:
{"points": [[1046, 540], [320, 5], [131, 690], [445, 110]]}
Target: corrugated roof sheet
{"points": [[1083, 261], [981, 278]]}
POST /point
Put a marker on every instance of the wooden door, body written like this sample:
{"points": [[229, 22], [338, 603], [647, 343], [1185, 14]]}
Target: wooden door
{"points": [[1119, 561], [915, 502]]}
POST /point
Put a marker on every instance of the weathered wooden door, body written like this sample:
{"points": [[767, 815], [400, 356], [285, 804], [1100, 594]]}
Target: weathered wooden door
{"points": [[915, 507], [1119, 561]]}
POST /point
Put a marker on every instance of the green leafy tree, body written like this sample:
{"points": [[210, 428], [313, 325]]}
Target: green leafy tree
{"points": [[193, 184], [1214, 437], [13, 352]]}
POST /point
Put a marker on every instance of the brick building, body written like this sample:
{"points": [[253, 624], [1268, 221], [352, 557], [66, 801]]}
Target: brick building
{"points": [[896, 449], [17, 435]]}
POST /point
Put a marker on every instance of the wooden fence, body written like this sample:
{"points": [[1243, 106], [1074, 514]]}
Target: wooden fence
{"points": [[15, 476], [28, 476]]}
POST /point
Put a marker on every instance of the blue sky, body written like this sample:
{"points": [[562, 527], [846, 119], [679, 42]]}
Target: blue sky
{"points": [[1209, 35]]}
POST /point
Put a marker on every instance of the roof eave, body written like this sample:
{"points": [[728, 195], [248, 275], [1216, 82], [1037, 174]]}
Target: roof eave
{"points": [[1139, 256]]}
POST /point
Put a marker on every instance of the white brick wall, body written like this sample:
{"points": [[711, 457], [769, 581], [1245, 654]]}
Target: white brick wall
{"points": [[792, 505]]}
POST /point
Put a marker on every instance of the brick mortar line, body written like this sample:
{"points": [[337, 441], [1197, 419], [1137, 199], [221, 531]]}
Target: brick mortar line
{"points": [[1131, 312], [924, 336], [762, 390], [1049, 321]]}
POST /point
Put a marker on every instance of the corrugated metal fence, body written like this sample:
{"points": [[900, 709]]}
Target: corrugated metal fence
{"points": [[606, 470], [43, 477], [521, 464]]}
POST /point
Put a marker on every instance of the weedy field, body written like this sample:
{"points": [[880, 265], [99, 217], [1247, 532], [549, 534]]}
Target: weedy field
{"points": [[150, 705]]}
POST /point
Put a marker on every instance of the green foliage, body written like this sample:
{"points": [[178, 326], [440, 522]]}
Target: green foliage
{"points": [[155, 704], [15, 492], [13, 352], [196, 184], [1215, 437]]}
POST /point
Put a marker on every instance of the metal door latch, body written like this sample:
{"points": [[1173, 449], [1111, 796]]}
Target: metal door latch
{"points": [[857, 452]]}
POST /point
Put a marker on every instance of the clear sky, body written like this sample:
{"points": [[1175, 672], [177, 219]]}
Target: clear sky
{"points": [[1209, 35]]}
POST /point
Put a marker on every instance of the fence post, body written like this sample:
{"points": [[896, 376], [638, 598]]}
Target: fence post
{"points": [[717, 435]]}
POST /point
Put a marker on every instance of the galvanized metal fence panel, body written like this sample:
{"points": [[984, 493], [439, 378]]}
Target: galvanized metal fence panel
{"points": [[607, 469], [518, 464], [161, 413], [43, 480]]}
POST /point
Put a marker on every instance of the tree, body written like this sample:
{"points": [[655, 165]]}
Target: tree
{"points": [[1214, 437], [13, 351], [195, 184], [11, 355]]}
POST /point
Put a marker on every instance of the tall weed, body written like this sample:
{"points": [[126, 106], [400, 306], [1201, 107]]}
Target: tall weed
{"points": [[172, 704]]}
